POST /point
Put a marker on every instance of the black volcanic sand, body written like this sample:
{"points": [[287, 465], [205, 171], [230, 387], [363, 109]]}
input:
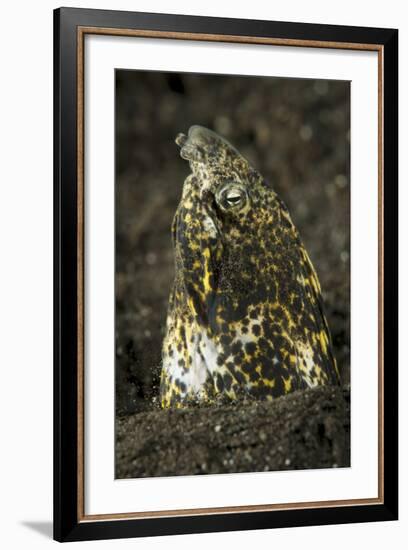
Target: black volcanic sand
{"points": [[296, 132], [303, 430]]}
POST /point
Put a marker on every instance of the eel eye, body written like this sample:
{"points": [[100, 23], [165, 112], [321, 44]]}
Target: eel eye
{"points": [[231, 197]]}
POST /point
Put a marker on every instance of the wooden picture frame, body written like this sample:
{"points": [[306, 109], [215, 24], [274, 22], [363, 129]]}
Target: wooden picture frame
{"points": [[70, 28]]}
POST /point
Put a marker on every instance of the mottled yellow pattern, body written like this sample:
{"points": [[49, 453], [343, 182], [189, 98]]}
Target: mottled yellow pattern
{"points": [[245, 312]]}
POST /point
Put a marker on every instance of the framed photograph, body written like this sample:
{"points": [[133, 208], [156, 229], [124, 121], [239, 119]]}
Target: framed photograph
{"points": [[225, 274]]}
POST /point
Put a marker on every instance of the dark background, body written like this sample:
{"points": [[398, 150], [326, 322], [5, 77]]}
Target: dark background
{"points": [[294, 131]]}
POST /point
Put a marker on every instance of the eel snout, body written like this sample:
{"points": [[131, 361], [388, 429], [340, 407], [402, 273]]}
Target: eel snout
{"points": [[201, 144]]}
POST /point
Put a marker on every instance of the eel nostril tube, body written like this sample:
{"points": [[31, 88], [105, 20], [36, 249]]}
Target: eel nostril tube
{"points": [[181, 139]]}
